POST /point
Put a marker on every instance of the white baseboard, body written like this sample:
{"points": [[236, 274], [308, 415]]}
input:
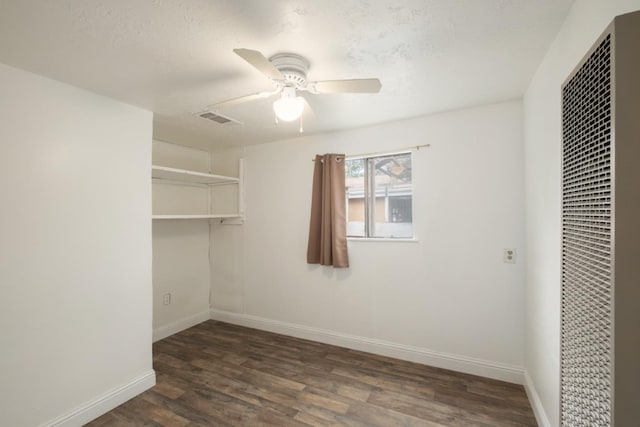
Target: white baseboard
{"points": [[103, 404], [182, 324], [536, 403], [469, 365]]}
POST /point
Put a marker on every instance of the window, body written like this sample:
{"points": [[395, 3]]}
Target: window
{"points": [[379, 196]]}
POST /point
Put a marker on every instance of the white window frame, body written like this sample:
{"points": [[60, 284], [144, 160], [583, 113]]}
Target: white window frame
{"points": [[367, 198]]}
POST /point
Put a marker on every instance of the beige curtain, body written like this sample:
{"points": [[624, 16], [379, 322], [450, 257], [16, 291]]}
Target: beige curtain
{"points": [[328, 225]]}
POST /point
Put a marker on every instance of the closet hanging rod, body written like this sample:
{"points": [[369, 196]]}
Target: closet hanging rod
{"points": [[375, 153]]}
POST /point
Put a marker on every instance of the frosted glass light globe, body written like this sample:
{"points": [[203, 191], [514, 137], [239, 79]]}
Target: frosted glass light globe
{"points": [[289, 107]]}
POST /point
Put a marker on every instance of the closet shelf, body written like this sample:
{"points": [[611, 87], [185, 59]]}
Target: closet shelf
{"points": [[171, 176], [182, 175], [198, 216]]}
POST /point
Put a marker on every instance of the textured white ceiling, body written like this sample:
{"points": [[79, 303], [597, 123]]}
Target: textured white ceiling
{"points": [[175, 56]]}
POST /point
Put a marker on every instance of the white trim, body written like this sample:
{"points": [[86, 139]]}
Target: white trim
{"points": [[180, 325], [469, 365], [536, 403], [101, 405]]}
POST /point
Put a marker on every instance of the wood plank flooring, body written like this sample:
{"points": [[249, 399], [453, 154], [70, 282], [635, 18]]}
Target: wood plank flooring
{"points": [[217, 374]]}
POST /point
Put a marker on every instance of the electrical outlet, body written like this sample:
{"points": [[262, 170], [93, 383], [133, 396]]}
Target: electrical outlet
{"points": [[166, 299], [509, 256]]}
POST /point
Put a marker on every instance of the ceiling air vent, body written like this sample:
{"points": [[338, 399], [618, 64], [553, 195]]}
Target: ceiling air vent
{"points": [[218, 118]]}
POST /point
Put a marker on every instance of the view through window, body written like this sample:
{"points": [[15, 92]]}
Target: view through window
{"points": [[379, 196]]}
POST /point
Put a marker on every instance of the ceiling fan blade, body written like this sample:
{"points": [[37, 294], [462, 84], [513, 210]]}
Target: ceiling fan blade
{"points": [[242, 99], [260, 63], [348, 86], [308, 112]]}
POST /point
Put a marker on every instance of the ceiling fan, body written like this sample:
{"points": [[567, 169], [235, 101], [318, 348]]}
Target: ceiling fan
{"points": [[288, 72]]}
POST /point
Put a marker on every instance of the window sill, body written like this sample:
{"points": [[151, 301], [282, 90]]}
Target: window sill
{"points": [[382, 239]]}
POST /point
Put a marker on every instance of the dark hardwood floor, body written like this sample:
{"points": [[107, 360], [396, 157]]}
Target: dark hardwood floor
{"points": [[217, 374]]}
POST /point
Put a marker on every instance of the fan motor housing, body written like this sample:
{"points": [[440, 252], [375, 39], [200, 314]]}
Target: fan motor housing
{"points": [[293, 67]]}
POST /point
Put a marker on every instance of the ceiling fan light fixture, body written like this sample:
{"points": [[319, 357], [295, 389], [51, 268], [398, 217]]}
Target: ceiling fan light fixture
{"points": [[289, 107], [288, 73]]}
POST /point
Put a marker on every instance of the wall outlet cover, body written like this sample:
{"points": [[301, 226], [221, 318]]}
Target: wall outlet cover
{"points": [[509, 255]]}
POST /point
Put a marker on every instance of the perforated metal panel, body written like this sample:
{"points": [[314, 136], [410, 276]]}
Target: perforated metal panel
{"points": [[586, 345]]}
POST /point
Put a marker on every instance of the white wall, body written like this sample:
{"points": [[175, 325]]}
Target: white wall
{"points": [[180, 247], [75, 252], [447, 300], [542, 110]]}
